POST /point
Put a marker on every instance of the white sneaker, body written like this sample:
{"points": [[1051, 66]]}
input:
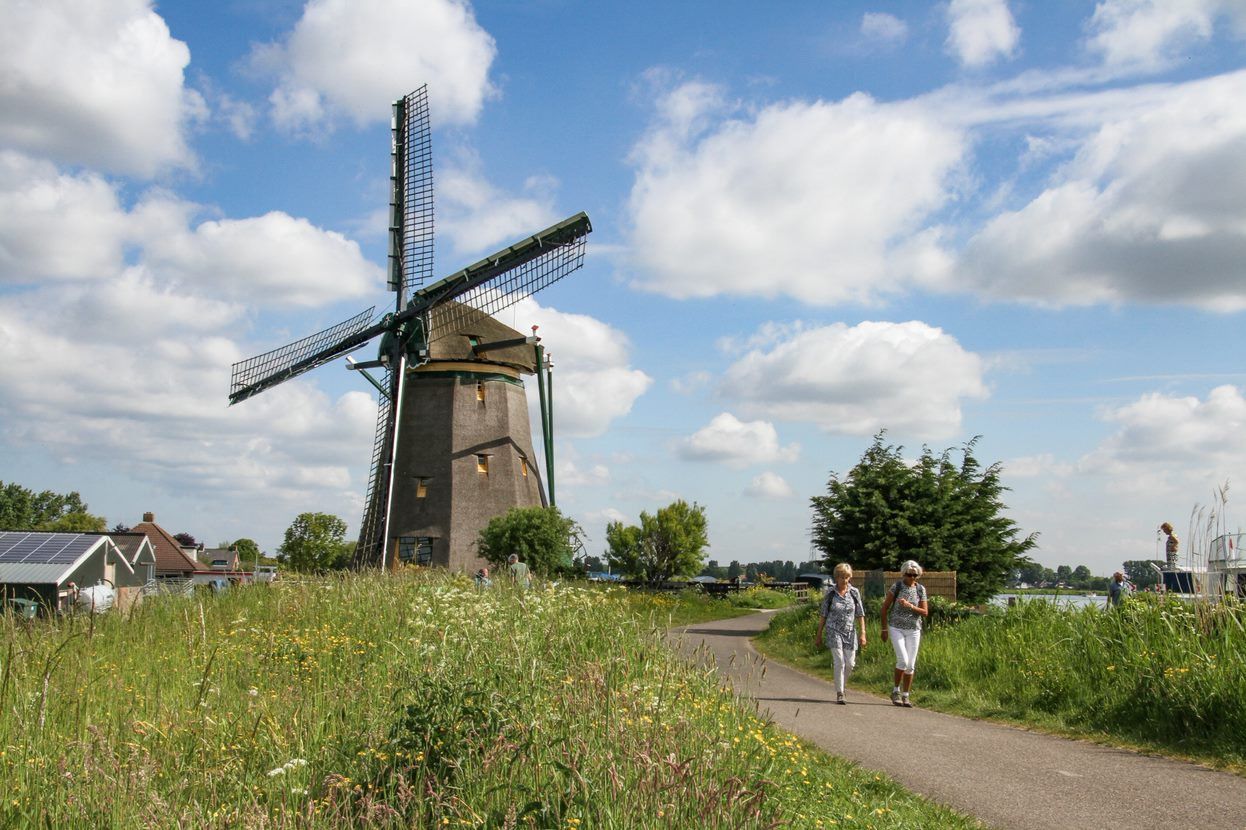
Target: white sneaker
{"points": [[895, 697]]}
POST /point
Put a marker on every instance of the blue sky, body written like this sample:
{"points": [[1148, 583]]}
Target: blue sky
{"points": [[812, 221]]}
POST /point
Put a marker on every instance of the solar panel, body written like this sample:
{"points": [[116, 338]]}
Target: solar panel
{"points": [[31, 547]]}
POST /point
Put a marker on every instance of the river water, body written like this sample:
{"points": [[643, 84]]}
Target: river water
{"points": [[1067, 600]]}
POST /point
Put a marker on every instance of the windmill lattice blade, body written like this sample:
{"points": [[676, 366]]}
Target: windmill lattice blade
{"points": [[370, 551], [255, 374], [414, 171], [506, 288]]}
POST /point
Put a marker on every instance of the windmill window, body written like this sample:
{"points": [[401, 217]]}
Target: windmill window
{"points": [[424, 550], [406, 548], [523, 466], [421, 487], [480, 391], [482, 464]]}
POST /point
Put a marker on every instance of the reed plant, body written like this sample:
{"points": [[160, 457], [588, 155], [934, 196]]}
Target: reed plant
{"points": [[410, 700], [1157, 673]]}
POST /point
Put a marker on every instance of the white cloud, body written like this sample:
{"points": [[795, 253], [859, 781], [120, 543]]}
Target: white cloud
{"points": [[354, 57], [123, 373], [1035, 466], [275, 258], [55, 225], [1149, 33], [769, 485], [907, 377], [821, 201], [729, 440], [594, 383], [887, 28], [95, 83], [479, 218], [1150, 209], [981, 31], [1174, 441]]}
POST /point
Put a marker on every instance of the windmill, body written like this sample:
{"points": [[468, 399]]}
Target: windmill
{"points": [[453, 442]]}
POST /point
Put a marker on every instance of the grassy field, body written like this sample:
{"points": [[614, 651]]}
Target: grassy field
{"points": [[1162, 676], [402, 701]]}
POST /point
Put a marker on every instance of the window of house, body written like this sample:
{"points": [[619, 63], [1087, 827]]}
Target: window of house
{"points": [[482, 464]]}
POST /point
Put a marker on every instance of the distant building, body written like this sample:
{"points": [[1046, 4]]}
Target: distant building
{"points": [[50, 568], [172, 560]]}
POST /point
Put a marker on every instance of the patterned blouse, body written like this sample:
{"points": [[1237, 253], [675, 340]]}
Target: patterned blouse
{"points": [[903, 618], [841, 612]]}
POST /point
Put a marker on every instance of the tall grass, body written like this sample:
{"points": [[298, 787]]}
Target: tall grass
{"points": [[400, 701], [1157, 673]]}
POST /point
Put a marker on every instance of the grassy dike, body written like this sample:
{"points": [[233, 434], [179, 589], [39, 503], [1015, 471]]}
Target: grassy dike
{"points": [[403, 701], [1158, 675]]}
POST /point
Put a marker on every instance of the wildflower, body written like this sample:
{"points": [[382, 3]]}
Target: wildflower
{"points": [[273, 773]]}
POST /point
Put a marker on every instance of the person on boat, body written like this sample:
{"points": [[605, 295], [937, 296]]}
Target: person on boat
{"points": [[1118, 589], [840, 614], [904, 607], [1170, 546]]}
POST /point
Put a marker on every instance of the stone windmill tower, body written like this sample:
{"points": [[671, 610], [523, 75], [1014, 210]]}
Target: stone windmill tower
{"points": [[453, 443]]}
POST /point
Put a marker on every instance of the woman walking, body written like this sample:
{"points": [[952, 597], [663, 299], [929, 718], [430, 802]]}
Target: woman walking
{"points": [[903, 610], [840, 613]]}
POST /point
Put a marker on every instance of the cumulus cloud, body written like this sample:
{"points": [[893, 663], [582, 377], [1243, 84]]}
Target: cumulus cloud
{"points": [[1150, 209], [593, 379], [354, 57], [55, 225], [769, 485], [908, 377], [1149, 33], [887, 28], [981, 31], [729, 440], [822, 201], [115, 371], [99, 84], [275, 258], [1174, 439], [478, 218]]}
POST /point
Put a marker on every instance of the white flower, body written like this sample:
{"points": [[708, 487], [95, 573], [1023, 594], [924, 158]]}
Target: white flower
{"points": [[273, 773]]}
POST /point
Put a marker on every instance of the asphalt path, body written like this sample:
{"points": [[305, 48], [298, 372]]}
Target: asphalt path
{"points": [[1004, 776]]}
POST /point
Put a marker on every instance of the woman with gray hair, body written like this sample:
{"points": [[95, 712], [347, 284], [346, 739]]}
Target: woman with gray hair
{"points": [[903, 609], [841, 611]]}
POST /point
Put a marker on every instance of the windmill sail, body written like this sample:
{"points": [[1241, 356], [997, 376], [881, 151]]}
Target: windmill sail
{"points": [[411, 222], [264, 371], [370, 550], [500, 281]]}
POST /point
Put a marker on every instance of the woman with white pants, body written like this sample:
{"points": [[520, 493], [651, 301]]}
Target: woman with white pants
{"points": [[841, 612], [903, 609]]}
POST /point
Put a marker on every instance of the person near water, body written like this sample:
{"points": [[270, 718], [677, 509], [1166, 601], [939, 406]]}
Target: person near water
{"points": [[840, 614], [904, 608], [1170, 546], [1118, 589]]}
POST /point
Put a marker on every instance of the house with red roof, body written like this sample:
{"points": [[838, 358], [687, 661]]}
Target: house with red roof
{"points": [[172, 560]]}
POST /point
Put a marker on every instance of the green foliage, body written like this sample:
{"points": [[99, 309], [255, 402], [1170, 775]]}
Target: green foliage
{"points": [[24, 509], [248, 551], [947, 516], [1140, 572], [402, 700], [545, 540], [315, 542], [668, 544]]}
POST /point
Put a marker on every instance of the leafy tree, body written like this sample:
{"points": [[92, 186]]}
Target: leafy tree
{"points": [[24, 509], [315, 542], [945, 515], [667, 544], [1081, 577], [1140, 572], [120, 527], [247, 550], [545, 540], [1064, 574], [734, 569], [185, 539]]}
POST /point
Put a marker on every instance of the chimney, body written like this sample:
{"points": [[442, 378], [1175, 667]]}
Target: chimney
{"points": [[150, 518]]}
